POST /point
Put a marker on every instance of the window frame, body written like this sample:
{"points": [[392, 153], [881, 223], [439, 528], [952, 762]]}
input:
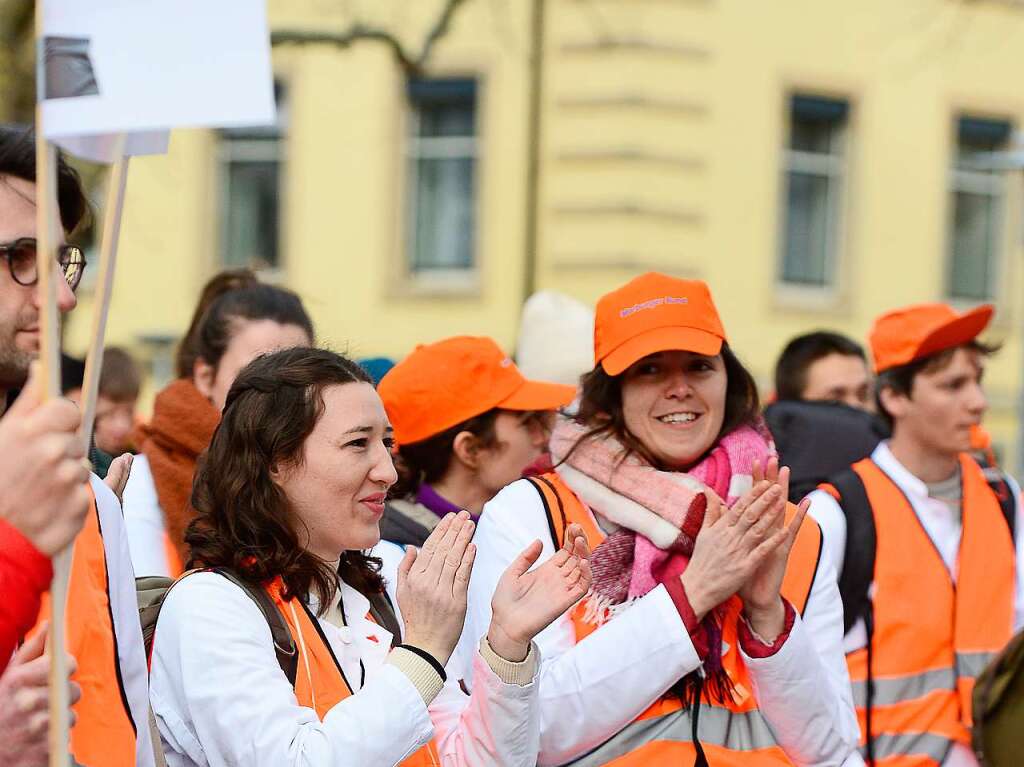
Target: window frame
{"points": [[834, 166], [992, 183], [415, 148], [254, 144]]}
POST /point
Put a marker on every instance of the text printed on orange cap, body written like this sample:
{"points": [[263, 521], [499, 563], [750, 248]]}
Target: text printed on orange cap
{"points": [[654, 302]]}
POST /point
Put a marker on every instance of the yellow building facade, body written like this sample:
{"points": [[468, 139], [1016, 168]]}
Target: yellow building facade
{"points": [[816, 161]]}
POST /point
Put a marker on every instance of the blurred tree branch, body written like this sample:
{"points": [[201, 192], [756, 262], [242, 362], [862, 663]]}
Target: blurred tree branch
{"points": [[17, 49], [409, 61]]}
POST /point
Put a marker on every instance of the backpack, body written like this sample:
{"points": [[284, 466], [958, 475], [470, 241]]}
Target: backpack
{"points": [[817, 439], [152, 590], [998, 707]]}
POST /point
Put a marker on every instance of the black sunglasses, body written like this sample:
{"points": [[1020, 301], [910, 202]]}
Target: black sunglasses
{"points": [[21, 260]]}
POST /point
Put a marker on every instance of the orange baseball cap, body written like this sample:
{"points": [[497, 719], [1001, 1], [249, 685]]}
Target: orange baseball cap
{"points": [[445, 383], [914, 332], [655, 313]]}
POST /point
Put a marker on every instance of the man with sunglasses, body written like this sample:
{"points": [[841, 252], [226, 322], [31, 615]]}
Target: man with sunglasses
{"points": [[47, 498]]}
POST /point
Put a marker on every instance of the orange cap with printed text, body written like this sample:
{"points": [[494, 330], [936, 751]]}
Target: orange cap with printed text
{"points": [[445, 383], [655, 313], [914, 332]]}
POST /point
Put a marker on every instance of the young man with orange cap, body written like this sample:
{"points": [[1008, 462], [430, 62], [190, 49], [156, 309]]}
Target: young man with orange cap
{"points": [[467, 423], [930, 571], [712, 632]]}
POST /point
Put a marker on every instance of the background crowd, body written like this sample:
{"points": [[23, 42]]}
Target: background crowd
{"points": [[458, 563], [589, 383]]}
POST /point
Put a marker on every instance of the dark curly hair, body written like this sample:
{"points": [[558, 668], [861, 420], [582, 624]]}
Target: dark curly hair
{"points": [[244, 519]]}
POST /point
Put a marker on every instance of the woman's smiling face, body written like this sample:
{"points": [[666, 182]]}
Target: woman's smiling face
{"points": [[337, 488], [673, 403]]}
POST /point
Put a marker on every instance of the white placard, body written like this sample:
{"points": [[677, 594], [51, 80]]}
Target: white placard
{"points": [[102, 147], [141, 67]]}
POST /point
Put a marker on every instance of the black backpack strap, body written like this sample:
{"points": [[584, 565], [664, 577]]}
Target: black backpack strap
{"points": [[383, 614], [1003, 492], [859, 554], [284, 644]]}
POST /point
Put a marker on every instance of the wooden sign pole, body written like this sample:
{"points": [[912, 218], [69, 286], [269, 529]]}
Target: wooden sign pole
{"points": [[47, 238], [108, 260]]}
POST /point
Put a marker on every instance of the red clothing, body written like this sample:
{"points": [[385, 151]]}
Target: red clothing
{"points": [[25, 574], [751, 645]]}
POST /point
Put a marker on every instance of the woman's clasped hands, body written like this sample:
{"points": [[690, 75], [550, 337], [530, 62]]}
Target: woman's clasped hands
{"points": [[744, 549]]}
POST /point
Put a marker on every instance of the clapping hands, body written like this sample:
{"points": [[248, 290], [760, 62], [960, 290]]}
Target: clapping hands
{"points": [[432, 585], [527, 601]]}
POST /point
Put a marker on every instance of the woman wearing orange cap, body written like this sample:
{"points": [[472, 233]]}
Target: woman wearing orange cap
{"points": [[712, 633], [282, 650], [467, 423]]}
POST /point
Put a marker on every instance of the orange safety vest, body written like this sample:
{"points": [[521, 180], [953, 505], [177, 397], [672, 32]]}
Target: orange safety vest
{"points": [[175, 567], [732, 733], [930, 638], [325, 685], [104, 734]]}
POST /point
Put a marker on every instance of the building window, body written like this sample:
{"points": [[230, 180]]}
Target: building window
{"points": [[251, 160], [442, 158], [977, 209], [815, 160]]}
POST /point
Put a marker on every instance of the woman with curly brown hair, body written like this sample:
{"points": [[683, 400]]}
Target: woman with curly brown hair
{"points": [[289, 497]]}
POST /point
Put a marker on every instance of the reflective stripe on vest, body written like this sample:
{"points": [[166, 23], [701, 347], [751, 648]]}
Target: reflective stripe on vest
{"points": [[911, 748], [893, 690], [971, 664], [738, 733], [104, 735], [325, 685], [730, 732], [925, 659]]}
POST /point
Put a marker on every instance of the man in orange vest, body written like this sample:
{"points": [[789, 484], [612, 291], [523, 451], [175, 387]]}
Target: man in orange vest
{"points": [[103, 631], [42, 507], [929, 559]]}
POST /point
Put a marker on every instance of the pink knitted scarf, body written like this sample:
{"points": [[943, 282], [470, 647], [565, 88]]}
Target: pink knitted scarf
{"points": [[654, 515]]}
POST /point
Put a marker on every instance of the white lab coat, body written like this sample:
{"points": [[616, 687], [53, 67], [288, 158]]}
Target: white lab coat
{"points": [[591, 690], [144, 521], [124, 610], [220, 697]]}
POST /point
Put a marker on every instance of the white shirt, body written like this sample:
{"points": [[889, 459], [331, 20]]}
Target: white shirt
{"points": [[591, 690], [124, 611], [220, 697], [390, 554], [144, 520], [941, 524]]}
